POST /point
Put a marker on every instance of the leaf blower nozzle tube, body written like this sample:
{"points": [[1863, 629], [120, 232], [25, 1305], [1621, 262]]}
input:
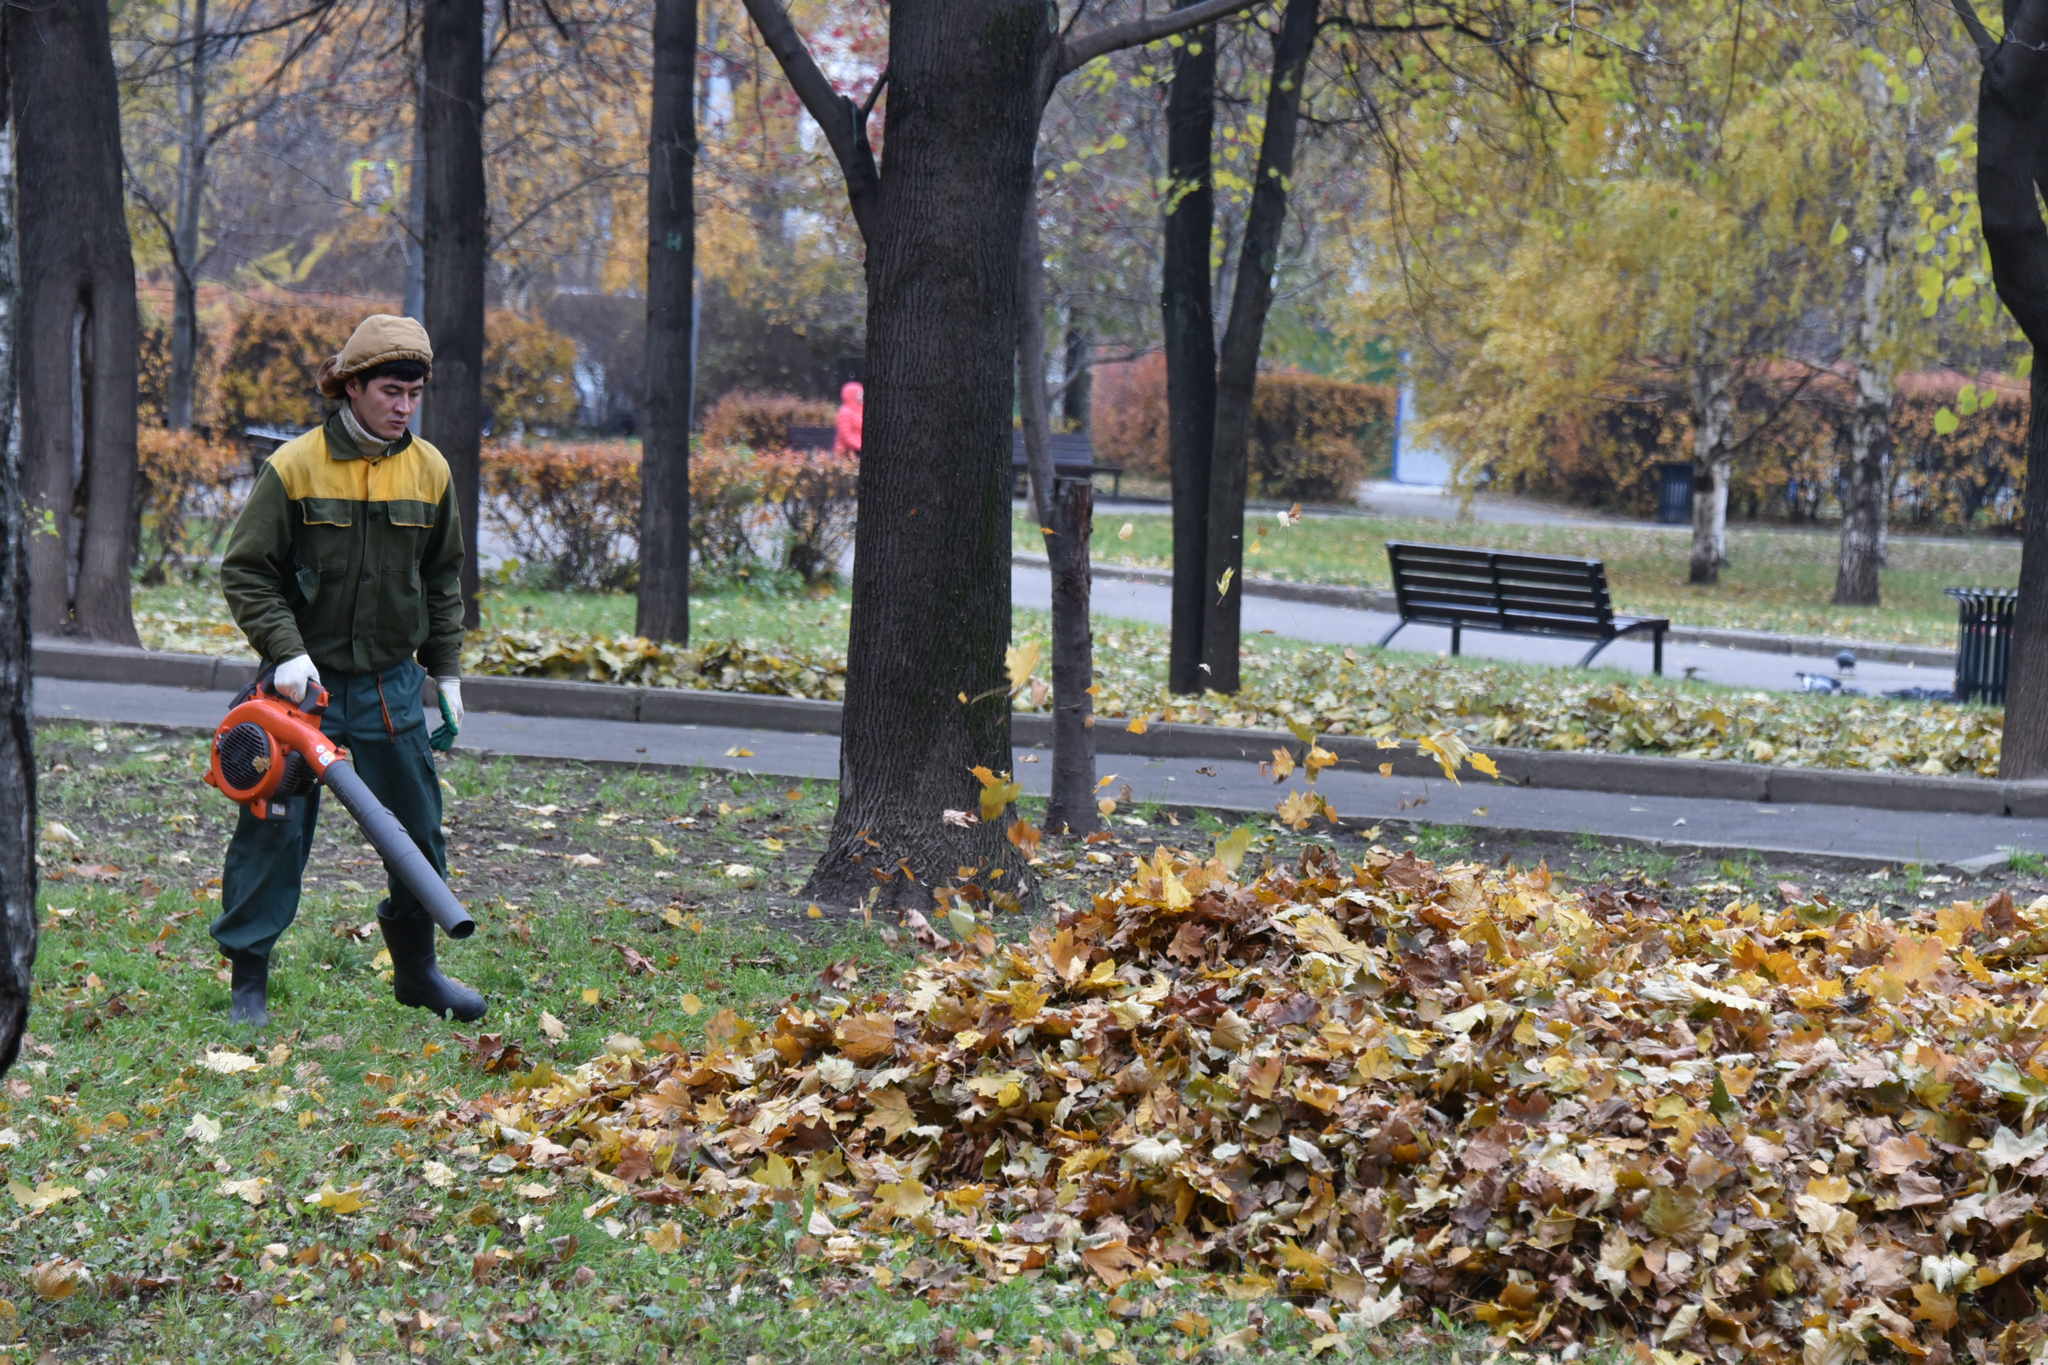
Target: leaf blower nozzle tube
{"points": [[398, 850]]}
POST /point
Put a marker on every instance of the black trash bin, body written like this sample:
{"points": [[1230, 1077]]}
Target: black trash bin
{"points": [[1983, 641], [1674, 494]]}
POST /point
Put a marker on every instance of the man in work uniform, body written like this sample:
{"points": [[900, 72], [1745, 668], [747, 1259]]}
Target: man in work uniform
{"points": [[345, 570]]}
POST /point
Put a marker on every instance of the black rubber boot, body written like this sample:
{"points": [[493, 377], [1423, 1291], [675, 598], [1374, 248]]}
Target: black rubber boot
{"points": [[415, 979], [249, 988]]}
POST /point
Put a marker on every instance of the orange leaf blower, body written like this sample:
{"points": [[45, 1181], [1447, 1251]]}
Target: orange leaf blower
{"points": [[268, 750]]}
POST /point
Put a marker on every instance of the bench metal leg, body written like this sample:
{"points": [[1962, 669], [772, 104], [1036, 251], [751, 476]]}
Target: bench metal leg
{"points": [[1657, 652], [1588, 660], [1390, 634], [1457, 634]]}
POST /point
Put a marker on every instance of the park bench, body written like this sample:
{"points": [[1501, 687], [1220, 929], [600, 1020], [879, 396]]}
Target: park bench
{"points": [[1460, 587], [1073, 455]]}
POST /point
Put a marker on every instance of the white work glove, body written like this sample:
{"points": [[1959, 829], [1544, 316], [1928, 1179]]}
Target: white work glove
{"points": [[292, 676], [451, 693]]}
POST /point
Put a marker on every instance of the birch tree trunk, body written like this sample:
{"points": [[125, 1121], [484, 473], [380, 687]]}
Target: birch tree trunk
{"points": [[1866, 489], [1713, 461]]}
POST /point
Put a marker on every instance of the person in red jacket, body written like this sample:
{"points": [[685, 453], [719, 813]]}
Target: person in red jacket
{"points": [[846, 432]]}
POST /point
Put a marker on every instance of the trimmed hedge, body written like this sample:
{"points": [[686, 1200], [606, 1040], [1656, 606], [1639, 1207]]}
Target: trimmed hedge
{"points": [[1972, 475], [571, 510], [1313, 439]]}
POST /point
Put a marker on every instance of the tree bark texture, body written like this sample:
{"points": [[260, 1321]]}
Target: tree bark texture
{"points": [[2012, 174], [1243, 337], [1866, 490], [1189, 317], [451, 118], [1713, 460], [1867, 463], [180, 387], [77, 382], [1065, 508], [17, 750], [1072, 808], [1080, 375], [931, 582], [664, 595]]}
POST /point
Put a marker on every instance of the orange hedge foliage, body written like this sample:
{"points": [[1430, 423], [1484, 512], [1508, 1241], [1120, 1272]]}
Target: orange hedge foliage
{"points": [[761, 421], [1975, 475], [188, 502], [1312, 438], [571, 511]]}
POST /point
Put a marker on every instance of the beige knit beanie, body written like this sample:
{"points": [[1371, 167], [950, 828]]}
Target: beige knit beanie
{"points": [[378, 339]]}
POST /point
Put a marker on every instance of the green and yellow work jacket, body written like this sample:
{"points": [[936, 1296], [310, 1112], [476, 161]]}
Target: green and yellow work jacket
{"points": [[354, 560]]}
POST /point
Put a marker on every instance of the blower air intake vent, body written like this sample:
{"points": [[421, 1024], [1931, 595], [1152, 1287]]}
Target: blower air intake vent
{"points": [[298, 775], [244, 755]]}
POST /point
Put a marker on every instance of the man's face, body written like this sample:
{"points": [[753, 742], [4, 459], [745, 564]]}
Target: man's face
{"points": [[385, 405]]}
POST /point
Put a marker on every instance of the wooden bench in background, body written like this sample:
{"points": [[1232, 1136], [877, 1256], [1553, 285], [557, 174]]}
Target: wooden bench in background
{"points": [[1073, 456], [1518, 594]]}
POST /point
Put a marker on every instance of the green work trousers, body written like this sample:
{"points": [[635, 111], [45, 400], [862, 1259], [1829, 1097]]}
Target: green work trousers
{"points": [[377, 717]]}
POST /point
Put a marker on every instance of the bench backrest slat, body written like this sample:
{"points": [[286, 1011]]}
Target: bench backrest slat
{"points": [[1507, 590]]}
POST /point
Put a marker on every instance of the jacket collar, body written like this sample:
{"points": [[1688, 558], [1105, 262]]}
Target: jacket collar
{"points": [[342, 446]]}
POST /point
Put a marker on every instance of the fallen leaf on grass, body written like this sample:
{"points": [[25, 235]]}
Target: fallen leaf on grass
{"points": [[58, 1279], [338, 1201], [37, 1198]]}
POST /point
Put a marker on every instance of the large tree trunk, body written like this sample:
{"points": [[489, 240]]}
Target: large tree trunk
{"points": [[1866, 490], [451, 118], [1066, 509], [1237, 377], [664, 600], [1713, 461], [78, 379], [17, 749], [1190, 331], [925, 693], [2012, 174], [178, 397]]}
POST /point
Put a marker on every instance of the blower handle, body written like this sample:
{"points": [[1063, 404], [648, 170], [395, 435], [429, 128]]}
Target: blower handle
{"points": [[399, 852]]}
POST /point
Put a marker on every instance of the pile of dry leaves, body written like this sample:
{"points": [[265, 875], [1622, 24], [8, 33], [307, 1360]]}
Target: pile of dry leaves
{"points": [[1742, 1132]]}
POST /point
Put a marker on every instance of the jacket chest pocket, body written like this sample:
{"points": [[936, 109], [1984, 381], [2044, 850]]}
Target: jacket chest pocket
{"points": [[401, 539], [328, 534]]}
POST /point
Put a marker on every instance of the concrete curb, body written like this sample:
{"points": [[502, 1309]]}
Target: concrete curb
{"points": [[1629, 774], [1382, 599]]}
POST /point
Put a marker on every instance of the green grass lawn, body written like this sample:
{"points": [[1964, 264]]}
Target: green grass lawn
{"points": [[1776, 580]]}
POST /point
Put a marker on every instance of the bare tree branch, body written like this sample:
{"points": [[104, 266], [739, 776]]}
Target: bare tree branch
{"points": [[842, 121], [1075, 53], [1987, 46]]}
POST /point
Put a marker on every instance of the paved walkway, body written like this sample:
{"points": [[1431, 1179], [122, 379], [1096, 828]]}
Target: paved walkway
{"points": [[1863, 836]]}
